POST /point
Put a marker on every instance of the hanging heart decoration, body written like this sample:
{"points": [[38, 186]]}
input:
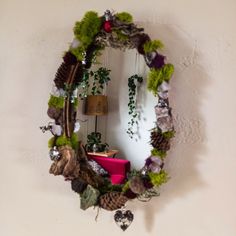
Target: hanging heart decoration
{"points": [[123, 218]]}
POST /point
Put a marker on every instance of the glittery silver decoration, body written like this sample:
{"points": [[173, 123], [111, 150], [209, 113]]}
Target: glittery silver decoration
{"points": [[54, 154], [107, 15], [123, 218]]}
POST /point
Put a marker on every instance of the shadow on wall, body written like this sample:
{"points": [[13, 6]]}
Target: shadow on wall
{"points": [[186, 98]]}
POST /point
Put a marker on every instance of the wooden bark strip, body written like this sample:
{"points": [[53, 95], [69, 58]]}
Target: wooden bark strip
{"points": [[68, 105]]}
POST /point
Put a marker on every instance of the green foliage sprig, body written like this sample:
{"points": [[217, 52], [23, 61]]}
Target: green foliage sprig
{"points": [[57, 102], [157, 76], [151, 46], [158, 179], [132, 83], [95, 139], [101, 77], [124, 17], [84, 85]]}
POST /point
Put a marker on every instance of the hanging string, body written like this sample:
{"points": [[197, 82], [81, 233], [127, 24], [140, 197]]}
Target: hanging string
{"points": [[106, 64], [98, 210]]}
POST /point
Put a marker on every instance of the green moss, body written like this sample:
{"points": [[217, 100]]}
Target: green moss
{"points": [[57, 102], [157, 76], [158, 179], [169, 134], [161, 154], [87, 28], [51, 142], [125, 187], [124, 17], [74, 141], [79, 52], [63, 140], [151, 46]]}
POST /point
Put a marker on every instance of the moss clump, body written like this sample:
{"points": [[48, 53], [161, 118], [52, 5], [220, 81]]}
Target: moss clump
{"points": [[74, 141], [124, 17], [157, 76], [63, 140], [125, 187], [169, 134], [57, 102], [79, 52], [158, 179], [87, 28], [156, 152], [151, 46], [51, 142]]}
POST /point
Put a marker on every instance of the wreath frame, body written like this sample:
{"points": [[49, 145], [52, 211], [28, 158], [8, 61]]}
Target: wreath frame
{"points": [[92, 34]]}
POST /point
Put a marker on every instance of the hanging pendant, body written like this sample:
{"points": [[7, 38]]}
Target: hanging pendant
{"points": [[123, 218]]}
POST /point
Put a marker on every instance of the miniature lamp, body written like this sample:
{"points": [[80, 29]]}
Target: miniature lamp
{"points": [[96, 105]]}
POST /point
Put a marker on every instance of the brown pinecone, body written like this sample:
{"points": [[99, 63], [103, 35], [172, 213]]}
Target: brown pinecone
{"points": [[159, 142], [112, 201], [136, 185], [62, 75], [69, 58]]}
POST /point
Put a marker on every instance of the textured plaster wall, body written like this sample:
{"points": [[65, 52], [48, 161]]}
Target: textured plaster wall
{"points": [[200, 37]]}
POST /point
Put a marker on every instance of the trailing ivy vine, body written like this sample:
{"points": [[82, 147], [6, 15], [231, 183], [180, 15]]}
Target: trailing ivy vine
{"points": [[132, 83]]}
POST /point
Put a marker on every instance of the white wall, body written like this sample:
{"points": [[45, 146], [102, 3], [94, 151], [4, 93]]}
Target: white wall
{"points": [[199, 200]]}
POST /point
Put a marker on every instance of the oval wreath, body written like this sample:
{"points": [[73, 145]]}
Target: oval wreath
{"points": [[92, 34]]}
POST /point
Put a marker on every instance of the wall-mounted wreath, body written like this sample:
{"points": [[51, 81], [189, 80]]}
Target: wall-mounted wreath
{"points": [[92, 34]]}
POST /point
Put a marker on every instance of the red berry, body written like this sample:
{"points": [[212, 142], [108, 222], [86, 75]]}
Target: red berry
{"points": [[107, 26]]}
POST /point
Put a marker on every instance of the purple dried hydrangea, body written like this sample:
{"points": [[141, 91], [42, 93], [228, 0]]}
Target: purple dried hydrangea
{"points": [[158, 61], [154, 164]]}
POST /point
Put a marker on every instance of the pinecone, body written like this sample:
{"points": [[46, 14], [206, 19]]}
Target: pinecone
{"points": [[69, 58], [159, 142], [78, 185], [112, 201], [136, 185], [62, 75]]}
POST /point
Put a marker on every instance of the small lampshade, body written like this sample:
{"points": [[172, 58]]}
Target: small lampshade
{"points": [[96, 105]]}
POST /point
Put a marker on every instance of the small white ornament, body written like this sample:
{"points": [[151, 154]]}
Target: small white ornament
{"points": [[77, 126], [56, 129]]}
